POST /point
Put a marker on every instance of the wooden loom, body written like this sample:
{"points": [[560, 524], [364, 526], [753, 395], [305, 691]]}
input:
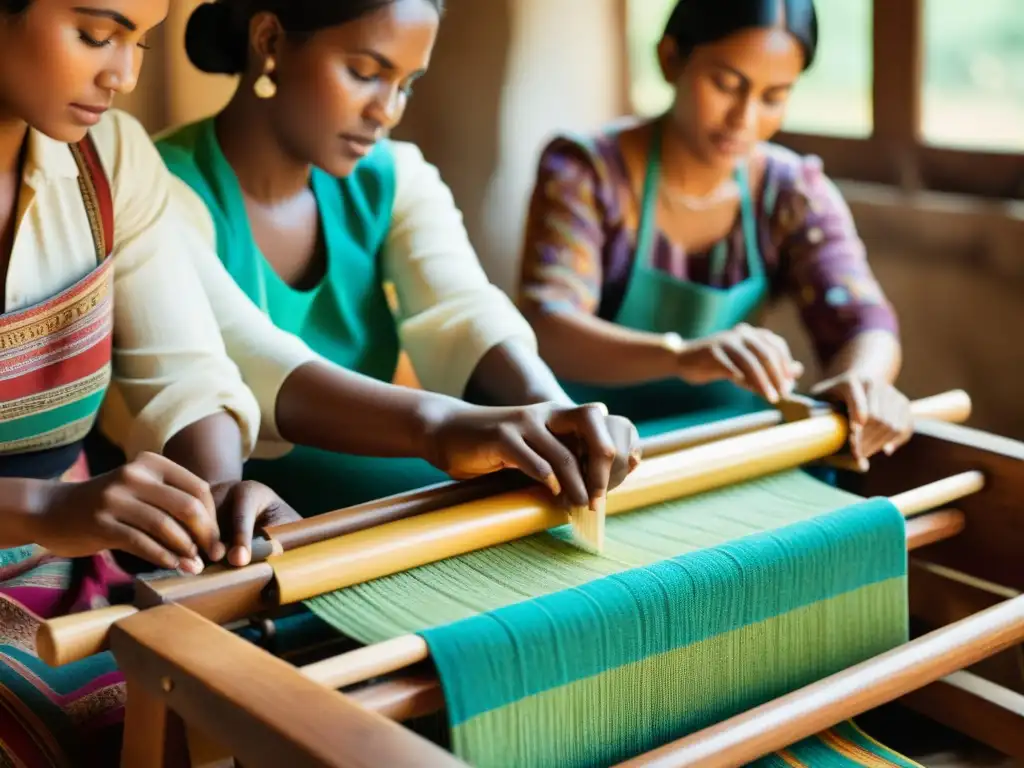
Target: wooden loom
{"points": [[182, 668]]}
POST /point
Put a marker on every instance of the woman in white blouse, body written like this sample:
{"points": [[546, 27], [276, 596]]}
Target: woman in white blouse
{"points": [[314, 215]]}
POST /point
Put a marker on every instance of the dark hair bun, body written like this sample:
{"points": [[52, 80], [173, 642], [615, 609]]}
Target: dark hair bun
{"points": [[212, 41]]}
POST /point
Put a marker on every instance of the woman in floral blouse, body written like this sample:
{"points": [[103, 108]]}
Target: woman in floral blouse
{"points": [[652, 246]]}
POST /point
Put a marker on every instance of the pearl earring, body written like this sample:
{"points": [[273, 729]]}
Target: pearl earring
{"points": [[266, 88]]}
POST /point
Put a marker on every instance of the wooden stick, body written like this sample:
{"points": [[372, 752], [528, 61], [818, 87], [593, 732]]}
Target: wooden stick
{"points": [[796, 716], [952, 406], [404, 544], [225, 594], [391, 655], [403, 695], [932, 495], [220, 595]]}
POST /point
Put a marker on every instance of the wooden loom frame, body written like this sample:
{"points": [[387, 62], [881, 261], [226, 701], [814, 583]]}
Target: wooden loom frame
{"points": [[178, 660]]}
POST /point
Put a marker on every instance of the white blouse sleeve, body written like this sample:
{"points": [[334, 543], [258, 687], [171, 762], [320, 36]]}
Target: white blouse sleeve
{"points": [[170, 366], [449, 314]]}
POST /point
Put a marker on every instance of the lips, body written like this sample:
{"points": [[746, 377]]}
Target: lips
{"points": [[92, 109], [358, 146], [730, 145], [87, 114]]}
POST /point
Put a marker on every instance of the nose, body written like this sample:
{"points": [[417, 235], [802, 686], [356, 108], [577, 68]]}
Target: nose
{"points": [[121, 73], [386, 107], [744, 114]]}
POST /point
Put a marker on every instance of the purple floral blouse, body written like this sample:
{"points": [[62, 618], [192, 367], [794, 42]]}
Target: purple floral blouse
{"points": [[581, 239]]}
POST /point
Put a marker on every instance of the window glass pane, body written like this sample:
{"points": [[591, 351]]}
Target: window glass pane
{"points": [[646, 20], [834, 95], [974, 73], [833, 98]]}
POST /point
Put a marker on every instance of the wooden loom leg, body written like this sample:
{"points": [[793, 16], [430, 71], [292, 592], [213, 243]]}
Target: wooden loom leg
{"points": [[152, 733], [261, 708]]}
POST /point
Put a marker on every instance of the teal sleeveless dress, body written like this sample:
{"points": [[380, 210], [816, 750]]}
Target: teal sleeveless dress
{"points": [[346, 318]]}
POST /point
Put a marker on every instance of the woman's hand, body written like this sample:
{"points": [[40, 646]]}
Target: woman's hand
{"points": [[580, 453], [753, 358], [151, 508], [880, 418], [244, 507]]}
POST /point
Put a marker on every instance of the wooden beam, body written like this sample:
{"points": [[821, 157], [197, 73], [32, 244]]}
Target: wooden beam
{"points": [[990, 546], [975, 707], [263, 710]]}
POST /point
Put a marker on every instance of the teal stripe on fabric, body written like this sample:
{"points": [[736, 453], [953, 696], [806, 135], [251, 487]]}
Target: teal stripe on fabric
{"points": [[621, 619], [39, 423], [63, 681]]}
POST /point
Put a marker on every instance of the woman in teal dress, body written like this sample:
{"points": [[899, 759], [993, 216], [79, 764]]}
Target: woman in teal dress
{"points": [[352, 243], [655, 243]]}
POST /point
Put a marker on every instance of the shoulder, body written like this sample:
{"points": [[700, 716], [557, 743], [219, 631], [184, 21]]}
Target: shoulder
{"points": [[795, 173], [796, 187]]}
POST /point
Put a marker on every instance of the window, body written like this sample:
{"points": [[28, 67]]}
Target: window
{"points": [[649, 93], [974, 74], [833, 98], [918, 94]]}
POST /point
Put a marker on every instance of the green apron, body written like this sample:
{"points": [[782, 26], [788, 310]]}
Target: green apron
{"points": [[660, 303], [346, 318]]}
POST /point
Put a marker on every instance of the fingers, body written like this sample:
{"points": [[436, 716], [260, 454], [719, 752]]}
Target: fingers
{"points": [[564, 463], [627, 450], [198, 515], [143, 507], [752, 369], [515, 453], [127, 538], [890, 423], [598, 448]]}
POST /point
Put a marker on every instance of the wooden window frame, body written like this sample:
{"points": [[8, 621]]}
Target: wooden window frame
{"points": [[895, 153]]}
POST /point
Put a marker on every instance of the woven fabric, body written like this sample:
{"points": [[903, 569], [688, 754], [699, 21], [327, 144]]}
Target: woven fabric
{"points": [[51, 716], [699, 609], [845, 746]]}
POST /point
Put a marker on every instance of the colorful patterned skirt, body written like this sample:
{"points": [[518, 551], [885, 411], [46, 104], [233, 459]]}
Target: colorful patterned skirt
{"points": [[55, 717]]}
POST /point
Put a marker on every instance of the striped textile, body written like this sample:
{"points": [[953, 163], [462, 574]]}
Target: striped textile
{"points": [[844, 746], [54, 370], [55, 356], [699, 609], [49, 717]]}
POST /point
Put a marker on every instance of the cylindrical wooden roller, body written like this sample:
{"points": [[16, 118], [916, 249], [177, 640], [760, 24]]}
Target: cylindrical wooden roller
{"points": [[426, 537], [953, 406]]}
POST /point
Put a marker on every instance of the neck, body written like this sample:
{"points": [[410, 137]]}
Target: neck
{"points": [[682, 170], [266, 171], [13, 133]]}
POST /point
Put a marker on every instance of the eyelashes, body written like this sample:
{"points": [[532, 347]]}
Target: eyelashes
{"points": [[92, 42]]}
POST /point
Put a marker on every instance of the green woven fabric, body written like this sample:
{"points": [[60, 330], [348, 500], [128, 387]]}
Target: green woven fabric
{"points": [[698, 609], [845, 746]]}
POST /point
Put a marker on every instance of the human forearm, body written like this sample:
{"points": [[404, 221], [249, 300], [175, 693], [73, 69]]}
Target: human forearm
{"points": [[583, 348], [872, 355], [20, 503], [327, 407], [210, 448], [509, 374]]}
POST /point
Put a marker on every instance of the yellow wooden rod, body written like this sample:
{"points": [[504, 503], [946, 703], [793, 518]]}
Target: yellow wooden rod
{"points": [[392, 655], [404, 544]]}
